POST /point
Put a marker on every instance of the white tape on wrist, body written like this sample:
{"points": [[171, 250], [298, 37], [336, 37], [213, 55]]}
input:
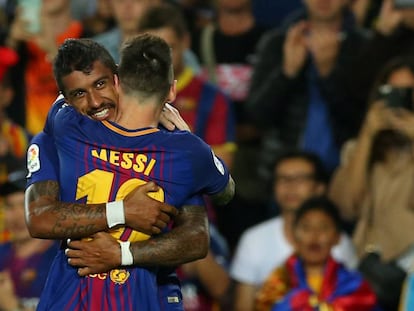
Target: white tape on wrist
{"points": [[126, 256], [115, 214]]}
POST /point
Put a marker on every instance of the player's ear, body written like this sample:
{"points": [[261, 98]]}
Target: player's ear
{"points": [[173, 92], [116, 82]]}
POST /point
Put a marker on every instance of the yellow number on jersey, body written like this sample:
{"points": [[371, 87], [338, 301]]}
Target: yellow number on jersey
{"points": [[96, 186]]}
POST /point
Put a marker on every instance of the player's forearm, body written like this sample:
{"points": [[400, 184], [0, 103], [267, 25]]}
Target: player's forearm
{"points": [[187, 241], [226, 195], [49, 218]]}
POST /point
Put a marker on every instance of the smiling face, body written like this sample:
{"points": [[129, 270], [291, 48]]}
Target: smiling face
{"points": [[314, 236], [92, 93]]}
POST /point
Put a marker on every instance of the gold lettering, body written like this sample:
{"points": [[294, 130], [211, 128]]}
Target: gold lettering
{"points": [[102, 154], [114, 157], [149, 167], [140, 161], [126, 162]]}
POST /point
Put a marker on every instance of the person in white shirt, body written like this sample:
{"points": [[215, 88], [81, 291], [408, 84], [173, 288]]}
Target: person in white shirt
{"points": [[298, 176]]}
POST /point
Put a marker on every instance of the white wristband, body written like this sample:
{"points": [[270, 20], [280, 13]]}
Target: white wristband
{"points": [[126, 256], [115, 214]]}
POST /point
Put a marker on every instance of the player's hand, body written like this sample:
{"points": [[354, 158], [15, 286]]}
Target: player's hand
{"points": [[171, 119], [146, 214], [99, 254]]}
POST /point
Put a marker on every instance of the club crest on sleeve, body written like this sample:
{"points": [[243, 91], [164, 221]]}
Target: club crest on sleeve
{"points": [[33, 160], [218, 163]]}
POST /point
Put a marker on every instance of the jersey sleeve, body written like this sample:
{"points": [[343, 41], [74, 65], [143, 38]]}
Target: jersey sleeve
{"points": [[195, 200], [42, 159], [211, 175]]}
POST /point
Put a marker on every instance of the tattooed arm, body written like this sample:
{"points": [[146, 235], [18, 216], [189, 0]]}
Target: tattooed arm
{"points": [[187, 241], [49, 218]]}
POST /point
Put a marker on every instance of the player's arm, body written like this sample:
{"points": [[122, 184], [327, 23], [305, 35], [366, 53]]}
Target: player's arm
{"points": [[187, 241], [48, 217]]}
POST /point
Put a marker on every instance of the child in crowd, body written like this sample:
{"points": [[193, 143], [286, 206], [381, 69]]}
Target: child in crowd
{"points": [[311, 279]]}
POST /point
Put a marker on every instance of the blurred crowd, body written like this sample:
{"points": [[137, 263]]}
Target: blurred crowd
{"points": [[309, 102]]}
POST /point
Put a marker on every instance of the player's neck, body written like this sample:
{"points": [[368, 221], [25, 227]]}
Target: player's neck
{"points": [[134, 115]]}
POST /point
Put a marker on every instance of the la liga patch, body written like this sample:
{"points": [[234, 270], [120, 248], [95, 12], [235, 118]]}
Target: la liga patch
{"points": [[33, 160]]}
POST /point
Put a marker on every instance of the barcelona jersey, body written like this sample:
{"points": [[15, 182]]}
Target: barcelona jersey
{"points": [[101, 162]]}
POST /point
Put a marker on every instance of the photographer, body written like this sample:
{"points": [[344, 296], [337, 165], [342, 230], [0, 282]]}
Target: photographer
{"points": [[374, 183]]}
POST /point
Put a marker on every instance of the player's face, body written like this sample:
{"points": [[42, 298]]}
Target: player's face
{"points": [[14, 216], [93, 93], [294, 183], [314, 236]]}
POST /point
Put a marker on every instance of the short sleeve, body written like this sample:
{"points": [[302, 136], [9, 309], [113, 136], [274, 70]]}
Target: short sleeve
{"points": [[42, 159]]}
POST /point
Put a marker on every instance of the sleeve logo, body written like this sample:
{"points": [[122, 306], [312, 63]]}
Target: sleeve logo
{"points": [[218, 163], [33, 160]]}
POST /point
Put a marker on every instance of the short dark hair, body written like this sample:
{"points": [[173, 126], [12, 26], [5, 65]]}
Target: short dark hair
{"points": [[322, 204], [146, 67], [79, 55], [164, 16], [320, 174]]}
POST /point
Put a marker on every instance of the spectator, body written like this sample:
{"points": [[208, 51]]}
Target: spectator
{"points": [[24, 261], [298, 176], [101, 21], [393, 36], [127, 14], [373, 185], [56, 24], [300, 94], [311, 279]]}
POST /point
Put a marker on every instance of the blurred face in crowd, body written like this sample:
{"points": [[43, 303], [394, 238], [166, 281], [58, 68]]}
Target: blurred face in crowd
{"points": [[94, 93], [294, 183], [178, 45], [6, 96], [104, 9], [128, 12], [325, 10], [402, 77], [55, 6], [14, 216], [314, 236], [233, 5]]}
